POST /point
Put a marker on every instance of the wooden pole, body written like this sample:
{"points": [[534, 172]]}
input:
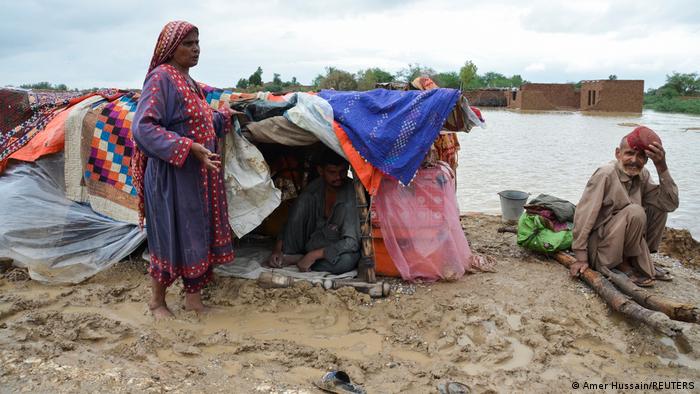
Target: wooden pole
{"points": [[365, 268], [674, 309], [623, 304], [671, 308]]}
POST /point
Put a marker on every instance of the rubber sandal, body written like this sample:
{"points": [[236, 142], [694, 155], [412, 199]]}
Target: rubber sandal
{"points": [[643, 282], [338, 382], [662, 275], [453, 388]]}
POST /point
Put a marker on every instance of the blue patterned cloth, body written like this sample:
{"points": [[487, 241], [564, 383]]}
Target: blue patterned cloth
{"points": [[392, 129]]}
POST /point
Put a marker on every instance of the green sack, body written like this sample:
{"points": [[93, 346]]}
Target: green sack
{"points": [[534, 235]]}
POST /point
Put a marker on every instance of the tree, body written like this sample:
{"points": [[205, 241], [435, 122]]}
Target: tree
{"points": [[336, 79], [683, 84], [276, 79], [414, 71], [293, 82], [447, 80], [467, 75], [496, 80], [256, 78], [516, 80], [44, 86], [367, 79], [242, 84], [316, 82], [612, 77]]}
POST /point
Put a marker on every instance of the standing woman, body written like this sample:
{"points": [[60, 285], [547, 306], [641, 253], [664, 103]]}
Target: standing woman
{"points": [[176, 172]]}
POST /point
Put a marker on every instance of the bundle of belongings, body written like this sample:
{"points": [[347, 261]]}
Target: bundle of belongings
{"points": [[546, 225], [76, 153]]}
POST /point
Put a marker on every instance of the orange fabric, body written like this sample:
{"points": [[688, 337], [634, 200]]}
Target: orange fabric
{"points": [[47, 141], [383, 264], [368, 174]]}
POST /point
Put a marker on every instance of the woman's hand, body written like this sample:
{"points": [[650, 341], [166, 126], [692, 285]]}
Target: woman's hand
{"points": [[211, 161]]}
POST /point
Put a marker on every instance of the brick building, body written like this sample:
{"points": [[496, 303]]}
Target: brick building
{"points": [[612, 96], [545, 97], [598, 95], [488, 97]]}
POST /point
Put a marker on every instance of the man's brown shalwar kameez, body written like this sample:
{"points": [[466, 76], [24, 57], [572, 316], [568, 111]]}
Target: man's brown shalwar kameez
{"points": [[622, 217]]}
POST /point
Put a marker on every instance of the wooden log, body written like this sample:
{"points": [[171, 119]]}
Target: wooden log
{"points": [[375, 290], [365, 268], [671, 308], [508, 229], [623, 304]]}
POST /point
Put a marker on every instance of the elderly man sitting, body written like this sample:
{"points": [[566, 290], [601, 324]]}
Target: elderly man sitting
{"points": [[622, 213]]}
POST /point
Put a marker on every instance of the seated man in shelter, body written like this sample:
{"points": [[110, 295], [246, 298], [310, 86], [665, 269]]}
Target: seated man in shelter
{"points": [[322, 232], [622, 213]]}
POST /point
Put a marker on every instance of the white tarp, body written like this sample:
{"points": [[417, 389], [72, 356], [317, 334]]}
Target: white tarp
{"points": [[58, 240], [250, 192]]}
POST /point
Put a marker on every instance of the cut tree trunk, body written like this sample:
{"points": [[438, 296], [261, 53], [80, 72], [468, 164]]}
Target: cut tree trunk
{"points": [[623, 304], [672, 308]]}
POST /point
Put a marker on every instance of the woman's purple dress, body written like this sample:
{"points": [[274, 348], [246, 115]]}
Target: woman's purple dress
{"points": [[185, 203]]}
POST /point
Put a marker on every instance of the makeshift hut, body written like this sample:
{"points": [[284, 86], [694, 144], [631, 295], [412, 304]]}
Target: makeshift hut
{"points": [[73, 206]]}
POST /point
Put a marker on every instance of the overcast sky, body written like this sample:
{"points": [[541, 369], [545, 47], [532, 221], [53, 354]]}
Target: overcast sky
{"points": [[109, 43]]}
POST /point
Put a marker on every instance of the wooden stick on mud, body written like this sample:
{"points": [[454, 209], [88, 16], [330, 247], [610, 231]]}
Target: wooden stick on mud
{"points": [[365, 268], [672, 308], [623, 304], [507, 229]]}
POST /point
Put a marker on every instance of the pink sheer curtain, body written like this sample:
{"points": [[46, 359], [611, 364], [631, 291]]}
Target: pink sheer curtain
{"points": [[421, 228]]}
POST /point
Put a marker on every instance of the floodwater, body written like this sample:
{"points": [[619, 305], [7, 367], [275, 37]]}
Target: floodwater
{"points": [[556, 152]]}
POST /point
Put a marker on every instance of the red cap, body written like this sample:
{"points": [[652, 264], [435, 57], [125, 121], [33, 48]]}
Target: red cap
{"points": [[477, 112], [641, 137]]}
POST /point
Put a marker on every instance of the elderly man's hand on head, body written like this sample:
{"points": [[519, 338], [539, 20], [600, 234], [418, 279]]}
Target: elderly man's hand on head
{"points": [[655, 151]]}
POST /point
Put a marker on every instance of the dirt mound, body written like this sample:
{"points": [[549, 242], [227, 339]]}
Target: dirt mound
{"points": [[680, 245]]}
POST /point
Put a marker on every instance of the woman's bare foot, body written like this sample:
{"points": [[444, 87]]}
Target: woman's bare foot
{"points": [[157, 305], [160, 310], [193, 302]]}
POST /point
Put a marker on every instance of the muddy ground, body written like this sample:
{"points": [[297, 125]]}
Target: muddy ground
{"points": [[526, 327]]}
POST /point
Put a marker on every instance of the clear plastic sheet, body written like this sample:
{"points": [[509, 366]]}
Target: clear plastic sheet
{"points": [[421, 228], [315, 115], [58, 240]]}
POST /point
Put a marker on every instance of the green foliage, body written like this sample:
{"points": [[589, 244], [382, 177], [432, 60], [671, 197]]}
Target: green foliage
{"points": [[367, 79], [242, 84], [467, 75], [672, 104], [276, 79], [44, 86], [680, 93], [447, 80], [612, 77], [414, 71], [684, 84], [256, 78], [516, 80], [336, 79], [496, 80]]}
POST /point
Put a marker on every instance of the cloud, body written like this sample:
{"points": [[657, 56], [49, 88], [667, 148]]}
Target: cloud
{"points": [[624, 18], [534, 67], [89, 43]]}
